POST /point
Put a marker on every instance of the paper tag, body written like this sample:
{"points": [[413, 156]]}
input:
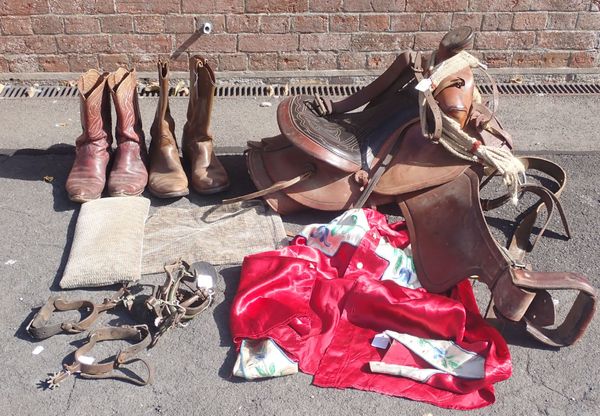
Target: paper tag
{"points": [[84, 359], [204, 281], [483, 65], [37, 350], [381, 341], [424, 85]]}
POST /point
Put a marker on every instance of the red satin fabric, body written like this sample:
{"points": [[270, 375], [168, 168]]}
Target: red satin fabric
{"points": [[324, 312]]}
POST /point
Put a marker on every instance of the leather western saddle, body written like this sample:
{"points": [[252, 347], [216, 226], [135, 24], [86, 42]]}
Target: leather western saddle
{"points": [[394, 150]]}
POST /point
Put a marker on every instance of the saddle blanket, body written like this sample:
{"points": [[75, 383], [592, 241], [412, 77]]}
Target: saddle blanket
{"points": [[328, 298]]}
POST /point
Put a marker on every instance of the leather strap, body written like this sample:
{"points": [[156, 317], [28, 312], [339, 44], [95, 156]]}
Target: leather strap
{"points": [[579, 316], [39, 329], [277, 186], [139, 334], [427, 104]]}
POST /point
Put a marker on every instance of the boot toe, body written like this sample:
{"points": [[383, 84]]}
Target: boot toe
{"points": [[166, 187]]}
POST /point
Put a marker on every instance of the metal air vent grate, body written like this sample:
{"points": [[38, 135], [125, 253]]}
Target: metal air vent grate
{"points": [[52, 91]]}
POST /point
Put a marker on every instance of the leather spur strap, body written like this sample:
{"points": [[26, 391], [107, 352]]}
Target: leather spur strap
{"points": [[84, 366], [38, 328], [180, 298]]}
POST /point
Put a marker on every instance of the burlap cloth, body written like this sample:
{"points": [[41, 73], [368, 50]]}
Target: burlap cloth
{"points": [[107, 245], [215, 234]]}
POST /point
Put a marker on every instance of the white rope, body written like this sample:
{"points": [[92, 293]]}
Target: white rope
{"points": [[459, 143]]}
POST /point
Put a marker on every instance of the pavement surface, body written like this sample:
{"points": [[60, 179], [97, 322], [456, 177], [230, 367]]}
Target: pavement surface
{"points": [[193, 365]]}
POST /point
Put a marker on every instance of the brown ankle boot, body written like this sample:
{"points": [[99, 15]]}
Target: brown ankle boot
{"points": [[128, 176], [207, 174], [88, 174], [167, 178]]}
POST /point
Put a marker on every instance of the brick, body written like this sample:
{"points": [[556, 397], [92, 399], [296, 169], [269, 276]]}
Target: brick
{"points": [[82, 63], [81, 6], [181, 63], [16, 25], [12, 44], [218, 22], [53, 63], [504, 40], [143, 62], [346, 23], [555, 59], [497, 21], [147, 6], [291, 61], [81, 24], [326, 6], [117, 24], [40, 44], [141, 43], [473, 20], [233, 62], [585, 59], [310, 24], [380, 61], [352, 60], [374, 22], [276, 6], [3, 64], [500, 5], [268, 43], [83, 43], [212, 6], [567, 40], [325, 42], [357, 6], [530, 21], [527, 59], [561, 21], [560, 5], [23, 8], [23, 63], [262, 61], [222, 43], [322, 61], [436, 5], [110, 62], [497, 59], [47, 25], [149, 24], [382, 41], [274, 24], [245, 23], [588, 21], [389, 5], [436, 21], [426, 41], [406, 22], [179, 24]]}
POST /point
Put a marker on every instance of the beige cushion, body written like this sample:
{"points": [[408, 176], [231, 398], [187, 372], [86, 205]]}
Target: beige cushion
{"points": [[107, 246]]}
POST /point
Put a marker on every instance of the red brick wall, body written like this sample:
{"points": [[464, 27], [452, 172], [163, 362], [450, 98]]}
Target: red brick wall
{"points": [[74, 35]]}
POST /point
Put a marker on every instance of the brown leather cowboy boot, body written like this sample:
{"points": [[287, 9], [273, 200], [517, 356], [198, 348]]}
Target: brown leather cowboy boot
{"points": [[167, 178], [88, 174], [207, 174], [128, 176]]}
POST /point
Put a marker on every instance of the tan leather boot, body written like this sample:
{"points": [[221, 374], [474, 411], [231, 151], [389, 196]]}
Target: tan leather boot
{"points": [[207, 174], [128, 176], [166, 177], [88, 174]]}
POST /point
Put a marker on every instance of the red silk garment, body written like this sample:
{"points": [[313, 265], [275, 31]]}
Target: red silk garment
{"points": [[324, 312]]}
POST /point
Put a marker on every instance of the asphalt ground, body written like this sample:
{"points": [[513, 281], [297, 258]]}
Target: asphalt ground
{"points": [[193, 365]]}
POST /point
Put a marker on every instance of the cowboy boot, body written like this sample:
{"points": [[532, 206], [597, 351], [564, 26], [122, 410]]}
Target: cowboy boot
{"points": [[207, 173], [128, 176], [166, 175], [88, 174]]}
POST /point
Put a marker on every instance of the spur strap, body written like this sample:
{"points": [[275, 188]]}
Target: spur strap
{"points": [[38, 329], [138, 334]]}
